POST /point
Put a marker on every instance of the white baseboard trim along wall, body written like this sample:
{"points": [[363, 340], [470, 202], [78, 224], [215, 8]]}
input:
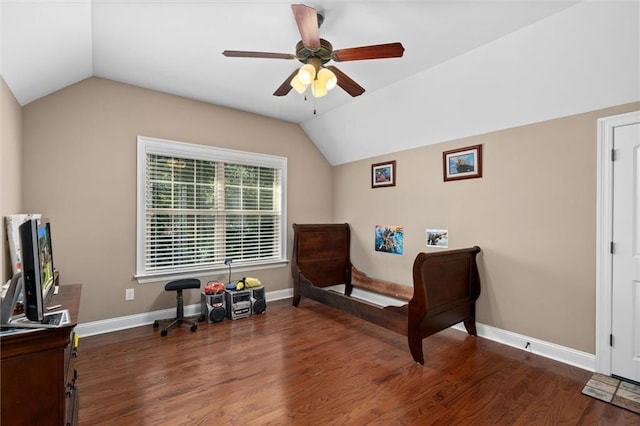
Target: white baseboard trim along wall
{"points": [[553, 351], [543, 348]]}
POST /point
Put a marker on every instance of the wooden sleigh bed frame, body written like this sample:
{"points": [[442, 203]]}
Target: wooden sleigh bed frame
{"points": [[446, 285]]}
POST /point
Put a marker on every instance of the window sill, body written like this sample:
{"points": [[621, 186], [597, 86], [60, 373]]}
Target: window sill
{"points": [[207, 272]]}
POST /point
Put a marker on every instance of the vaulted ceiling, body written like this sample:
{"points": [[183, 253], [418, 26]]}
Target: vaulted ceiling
{"points": [[467, 67]]}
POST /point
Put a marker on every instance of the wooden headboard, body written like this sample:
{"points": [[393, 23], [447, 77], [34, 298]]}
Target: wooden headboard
{"points": [[321, 253]]}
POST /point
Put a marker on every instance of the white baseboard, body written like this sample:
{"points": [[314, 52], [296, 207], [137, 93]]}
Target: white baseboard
{"points": [[556, 352]]}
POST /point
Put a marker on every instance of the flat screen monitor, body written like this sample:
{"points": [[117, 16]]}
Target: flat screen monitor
{"points": [[37, 267]]}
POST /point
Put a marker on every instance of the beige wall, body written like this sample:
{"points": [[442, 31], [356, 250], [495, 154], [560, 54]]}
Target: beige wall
{"points": [[533, 213], [10, 168], [80, 171]]}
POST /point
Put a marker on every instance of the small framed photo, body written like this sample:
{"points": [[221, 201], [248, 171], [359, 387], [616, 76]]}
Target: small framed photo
{"points": [[383, 174], [438, 238], [462, 163]]}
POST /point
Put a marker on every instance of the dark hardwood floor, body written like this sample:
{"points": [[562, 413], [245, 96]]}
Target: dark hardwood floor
{"points": [[315, 365]]}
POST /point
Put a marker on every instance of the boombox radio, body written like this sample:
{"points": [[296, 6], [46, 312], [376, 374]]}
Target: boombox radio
{"points": [[238, 303], [214, 307]]}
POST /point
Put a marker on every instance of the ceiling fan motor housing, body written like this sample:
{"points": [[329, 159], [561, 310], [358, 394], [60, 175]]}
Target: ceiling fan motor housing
{"points": [[323, 53]]}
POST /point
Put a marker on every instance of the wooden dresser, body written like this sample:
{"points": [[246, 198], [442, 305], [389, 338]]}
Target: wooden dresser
{"points": [[38, 377]]}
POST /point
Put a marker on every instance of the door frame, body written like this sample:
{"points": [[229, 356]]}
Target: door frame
{"points": [[604, 235]]}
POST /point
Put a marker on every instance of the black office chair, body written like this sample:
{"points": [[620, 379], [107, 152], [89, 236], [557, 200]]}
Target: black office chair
{"points": [[178, 286]]}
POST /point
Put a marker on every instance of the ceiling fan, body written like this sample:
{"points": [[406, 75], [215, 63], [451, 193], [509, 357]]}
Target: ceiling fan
{"points": [[314, 52]]}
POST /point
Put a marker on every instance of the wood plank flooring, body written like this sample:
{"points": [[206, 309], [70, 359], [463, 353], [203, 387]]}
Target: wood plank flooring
{"points": [[315, 365]]}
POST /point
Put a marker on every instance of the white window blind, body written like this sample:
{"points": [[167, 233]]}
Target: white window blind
{"points": [[198, 206]]}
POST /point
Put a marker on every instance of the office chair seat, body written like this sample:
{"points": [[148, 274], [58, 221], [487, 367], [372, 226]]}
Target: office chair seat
{"points": [[178, 286]]}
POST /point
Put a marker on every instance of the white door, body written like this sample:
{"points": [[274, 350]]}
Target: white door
{"points": [[625, 296]]}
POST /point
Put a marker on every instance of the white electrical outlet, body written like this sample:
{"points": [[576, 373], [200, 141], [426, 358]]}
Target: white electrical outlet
{"points": [[129, 294]]}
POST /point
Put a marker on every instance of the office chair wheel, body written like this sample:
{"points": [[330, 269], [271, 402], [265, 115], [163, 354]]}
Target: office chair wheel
{"points": [[194, 327], [155, 324], [163, 333]]}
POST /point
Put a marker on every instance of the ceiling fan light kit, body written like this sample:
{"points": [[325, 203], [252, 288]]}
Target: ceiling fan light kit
{"points": [[315, 52], [313, 74]]}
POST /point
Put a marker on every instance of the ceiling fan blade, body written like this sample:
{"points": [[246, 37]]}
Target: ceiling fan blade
{"points": [[346, 82], [245, 54], [378, 51], [307, 20], [285, 87]]}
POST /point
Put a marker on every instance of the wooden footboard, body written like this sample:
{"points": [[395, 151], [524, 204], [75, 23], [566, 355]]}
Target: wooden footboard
{"points": [[446, 285]]}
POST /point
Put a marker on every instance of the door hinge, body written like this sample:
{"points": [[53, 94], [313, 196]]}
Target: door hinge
{"points": [[612, 247], [611, 340], [613, 155]]}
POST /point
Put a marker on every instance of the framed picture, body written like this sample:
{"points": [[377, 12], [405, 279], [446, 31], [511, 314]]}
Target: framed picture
{"points": [[462, 163], [383, 174], [438, 238]]}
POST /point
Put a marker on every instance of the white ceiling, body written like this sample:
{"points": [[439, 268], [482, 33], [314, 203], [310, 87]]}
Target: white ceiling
{"points": [[175, 47]]}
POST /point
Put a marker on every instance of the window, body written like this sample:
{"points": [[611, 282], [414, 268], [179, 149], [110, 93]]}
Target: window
{"points": [[199, 205]]}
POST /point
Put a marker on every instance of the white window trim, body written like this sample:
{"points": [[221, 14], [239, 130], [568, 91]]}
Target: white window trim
{"points": [[146, 145]]}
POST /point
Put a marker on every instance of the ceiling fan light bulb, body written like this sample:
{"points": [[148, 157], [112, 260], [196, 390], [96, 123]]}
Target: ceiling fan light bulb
{"points": [[332, 83], [298, 85], [307, 73], [327, 78], [318, 89]]}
